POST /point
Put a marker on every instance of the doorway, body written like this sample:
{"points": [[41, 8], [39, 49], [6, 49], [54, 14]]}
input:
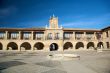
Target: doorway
{"points": [[53, 47]]}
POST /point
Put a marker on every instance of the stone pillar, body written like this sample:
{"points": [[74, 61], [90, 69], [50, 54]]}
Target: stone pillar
{"points": [[32, 34], [44, 35], [95, 45], [73, 36], [32, 46], [84, 36], [85, 45], [74, 44], [95, 38], [109, 33], [104, 35], [46, 47], [6, 35], [19, 35], [61, 44], [104, 45], [4, 46], [19, 47], [109, 37]]}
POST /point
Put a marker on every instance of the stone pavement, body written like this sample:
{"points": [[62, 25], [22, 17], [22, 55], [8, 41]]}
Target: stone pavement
{"points": [[37, 62]]}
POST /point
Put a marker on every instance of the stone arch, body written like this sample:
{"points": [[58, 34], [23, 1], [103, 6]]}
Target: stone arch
{"points": [[12, 46], [67, 45], [39, 46], [25, 46], [79, 45], [100, 44], [1, 46], [53, 47], [90, 45]]}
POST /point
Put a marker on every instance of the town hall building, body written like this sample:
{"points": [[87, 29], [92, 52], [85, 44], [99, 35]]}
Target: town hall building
{"points": [[53, 38]]}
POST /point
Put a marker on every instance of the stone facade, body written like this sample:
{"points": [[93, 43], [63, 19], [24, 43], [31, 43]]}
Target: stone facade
{"points": [[53, 38]]}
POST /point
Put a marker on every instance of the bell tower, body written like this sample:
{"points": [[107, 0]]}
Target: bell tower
{"points": [[53, 22]]}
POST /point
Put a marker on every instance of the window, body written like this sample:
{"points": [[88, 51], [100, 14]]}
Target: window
{"points": [[67, 35], [26, 35], [50, 36], [89, 35], [2, 35], [57, 36], [98, 35], [39, 35], [14, 35], [78, 35]]}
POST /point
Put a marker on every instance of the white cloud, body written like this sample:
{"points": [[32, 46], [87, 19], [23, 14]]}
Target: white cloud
{"points": [[4, 12], [100, 20]]}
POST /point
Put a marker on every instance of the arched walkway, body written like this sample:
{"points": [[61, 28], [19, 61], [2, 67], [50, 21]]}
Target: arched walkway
{"points": [[67, 45], [53, 47], [90, 45], [39, 46], [79, 45], [12, 46], [1, 46], [25, 46], [100, 45]]}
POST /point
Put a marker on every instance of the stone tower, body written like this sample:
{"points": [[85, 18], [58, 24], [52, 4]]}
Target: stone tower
{"points": [[53, 22]]}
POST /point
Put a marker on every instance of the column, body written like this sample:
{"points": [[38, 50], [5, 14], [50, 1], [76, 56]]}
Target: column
{"points": [[46, 47], [44, 35], [4, 46], [32, 46], [6, 35], [73, 36], [104, 35], [84, 36], [61, 45], [104, 45], [95, 45], [19, 47], [19, 35], [109, 33], [95, 38], [74, 44], [85, 45], [32, 33]]}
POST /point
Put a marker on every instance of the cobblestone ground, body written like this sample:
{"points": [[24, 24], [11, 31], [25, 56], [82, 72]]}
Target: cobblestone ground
{"points": [[38, 62]]}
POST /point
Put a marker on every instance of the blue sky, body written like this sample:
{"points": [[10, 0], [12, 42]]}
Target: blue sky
{"points": [[92, 14]]}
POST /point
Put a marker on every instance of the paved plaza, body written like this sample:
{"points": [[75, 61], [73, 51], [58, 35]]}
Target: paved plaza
{"points": [[38, 62]]}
